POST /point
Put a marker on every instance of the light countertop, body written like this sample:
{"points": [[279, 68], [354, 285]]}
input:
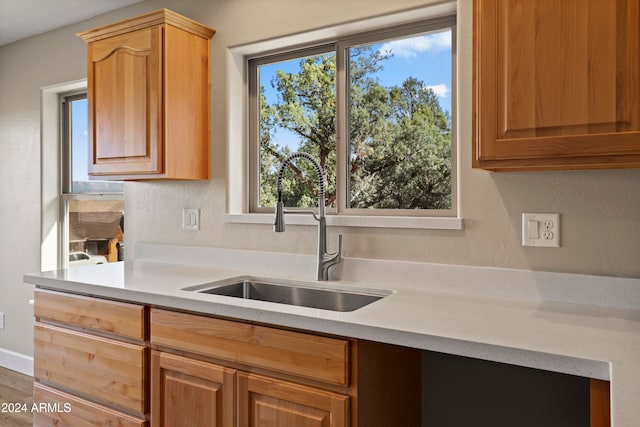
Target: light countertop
{"points": [[576, 324]]}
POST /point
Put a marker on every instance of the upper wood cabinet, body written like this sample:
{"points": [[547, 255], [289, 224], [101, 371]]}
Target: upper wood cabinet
{"points": [[556, 84], [149, 98]]}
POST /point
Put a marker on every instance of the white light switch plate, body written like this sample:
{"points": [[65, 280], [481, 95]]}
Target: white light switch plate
{"points": [[541, 229], [191, 219]]}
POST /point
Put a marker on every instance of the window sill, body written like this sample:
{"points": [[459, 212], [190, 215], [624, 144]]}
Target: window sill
{"points": [[427, 223]]}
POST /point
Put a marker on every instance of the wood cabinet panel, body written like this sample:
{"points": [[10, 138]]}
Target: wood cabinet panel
{"points": [[186, 392], [149, 98], [303, 355], [124, 319], [186, 103], [103, 368], [600, 403], [66, 410], [125, 103], [266, 401], [389, 385], [556, 84]]}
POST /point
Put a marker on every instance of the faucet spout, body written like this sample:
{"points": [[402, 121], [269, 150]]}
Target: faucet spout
{"points": [[325, 260]]}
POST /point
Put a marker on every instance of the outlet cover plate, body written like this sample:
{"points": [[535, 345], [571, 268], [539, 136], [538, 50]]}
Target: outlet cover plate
{"points": [[541, 229]]}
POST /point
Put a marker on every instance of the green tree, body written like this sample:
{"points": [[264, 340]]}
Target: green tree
{"points": [[400, 151], [306, 107], [410, 167]]}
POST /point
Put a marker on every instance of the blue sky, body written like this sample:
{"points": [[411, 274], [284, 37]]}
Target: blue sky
{"points": [[80, 141], [425, 57]]}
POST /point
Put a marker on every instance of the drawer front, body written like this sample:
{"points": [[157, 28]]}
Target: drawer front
{"points": [[303, 355], [99, 367], [120, 318], [63, 409]]}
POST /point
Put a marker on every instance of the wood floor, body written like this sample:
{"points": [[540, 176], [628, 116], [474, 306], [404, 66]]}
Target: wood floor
{"points": [[16, 398]]}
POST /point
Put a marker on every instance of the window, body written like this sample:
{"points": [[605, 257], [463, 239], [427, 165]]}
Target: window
{"points": [[91, 212], [375, 110]]}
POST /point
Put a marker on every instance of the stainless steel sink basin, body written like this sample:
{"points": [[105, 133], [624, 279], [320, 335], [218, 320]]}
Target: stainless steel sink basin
{"points": [[294, 293]]}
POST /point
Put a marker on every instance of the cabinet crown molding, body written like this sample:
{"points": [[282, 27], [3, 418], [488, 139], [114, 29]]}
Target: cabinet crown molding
{"points": [[157, 17]]}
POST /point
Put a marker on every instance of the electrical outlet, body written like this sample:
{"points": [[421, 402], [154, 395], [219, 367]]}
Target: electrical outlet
{"points": [[1, 320], [541, 229], [191, 219]]}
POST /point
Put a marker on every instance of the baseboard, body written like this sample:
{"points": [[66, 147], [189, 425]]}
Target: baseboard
{"points": [[16, 361]]}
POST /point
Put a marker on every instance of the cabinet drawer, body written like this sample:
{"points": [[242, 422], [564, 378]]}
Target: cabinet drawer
{"points": [[63, 409], [303, 355], [115, 317], [100, 367]]}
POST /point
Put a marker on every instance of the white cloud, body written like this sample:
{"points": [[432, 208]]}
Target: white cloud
{"points": [[411, 47], [441, 90]]}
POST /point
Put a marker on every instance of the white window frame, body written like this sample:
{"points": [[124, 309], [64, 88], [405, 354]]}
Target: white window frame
{"points": [[239, 160]]}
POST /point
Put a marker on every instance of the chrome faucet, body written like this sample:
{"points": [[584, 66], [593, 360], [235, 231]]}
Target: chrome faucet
{"points": [[325, 260]]}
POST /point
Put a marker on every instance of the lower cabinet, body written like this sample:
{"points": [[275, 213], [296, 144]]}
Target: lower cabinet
{"points": [[90, 362], [99, 362], [187, 392], [279, 377]]}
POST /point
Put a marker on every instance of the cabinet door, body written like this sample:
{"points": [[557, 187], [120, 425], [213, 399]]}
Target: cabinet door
{"points": [[556, 84], [189, 393], [125, 103], [264, 402]]}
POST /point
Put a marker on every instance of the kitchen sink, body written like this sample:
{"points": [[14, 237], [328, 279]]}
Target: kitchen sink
{"points": [[292, 293]]}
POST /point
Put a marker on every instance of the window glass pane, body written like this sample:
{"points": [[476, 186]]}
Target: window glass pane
{"points": [[96, 231], [297, 112], [80, 182], [400, 123]]}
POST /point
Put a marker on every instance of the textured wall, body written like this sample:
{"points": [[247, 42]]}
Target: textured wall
{"points": [[600, 209]]}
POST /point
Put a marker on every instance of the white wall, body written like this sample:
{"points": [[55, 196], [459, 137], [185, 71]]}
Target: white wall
{"points": [[600, 209]]}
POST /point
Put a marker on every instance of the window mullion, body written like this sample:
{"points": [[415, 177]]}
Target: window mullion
{"points": [[253, 161], [63, 231], [65, 147], [342, 124]]}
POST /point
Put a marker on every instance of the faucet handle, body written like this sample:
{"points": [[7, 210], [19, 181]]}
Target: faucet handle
{"points": [[326, 260], [338, 255]]}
